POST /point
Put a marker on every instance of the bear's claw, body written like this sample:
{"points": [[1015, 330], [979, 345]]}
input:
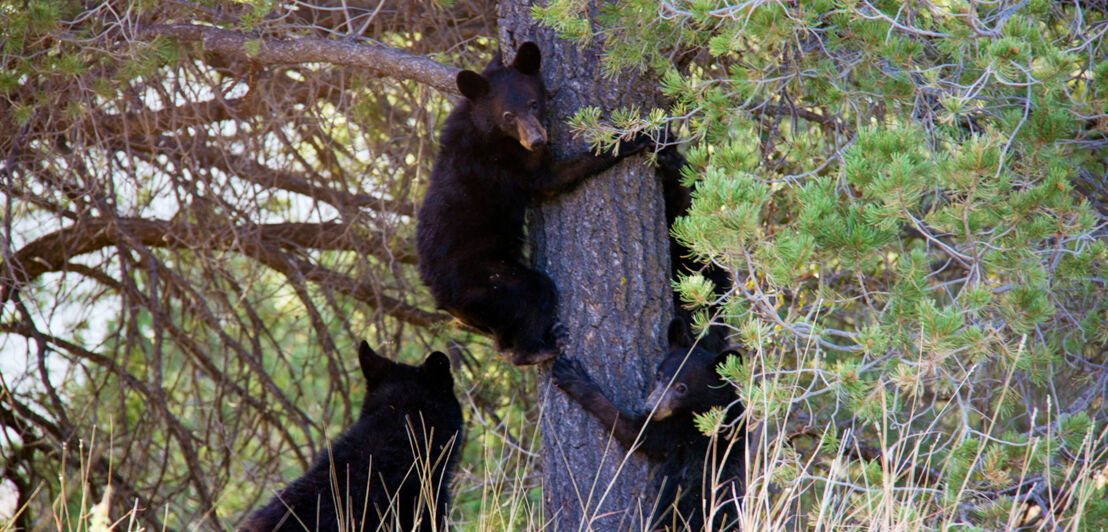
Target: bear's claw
{"points": [[567, 372]]}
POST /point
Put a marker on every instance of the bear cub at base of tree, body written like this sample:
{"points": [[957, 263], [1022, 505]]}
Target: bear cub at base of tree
{"points": [[493, 164], [391, 469], [686, 383]]}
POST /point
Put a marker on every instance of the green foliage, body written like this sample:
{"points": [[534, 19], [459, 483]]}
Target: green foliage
{"points": [[563, 16], [695, 290], [895, 187]]}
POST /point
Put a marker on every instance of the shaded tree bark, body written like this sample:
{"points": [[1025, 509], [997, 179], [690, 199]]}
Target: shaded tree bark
{"points": [[605, 246]]}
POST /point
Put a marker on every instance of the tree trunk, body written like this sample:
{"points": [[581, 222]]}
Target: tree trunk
{"points": [[605, 246]]}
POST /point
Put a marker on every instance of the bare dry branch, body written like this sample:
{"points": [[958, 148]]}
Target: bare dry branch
{"points": [[262, 242], [380, 60]]}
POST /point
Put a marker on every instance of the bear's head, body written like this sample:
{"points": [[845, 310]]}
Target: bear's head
{"points": [[509, 99], [427, 388], [686, 380]]}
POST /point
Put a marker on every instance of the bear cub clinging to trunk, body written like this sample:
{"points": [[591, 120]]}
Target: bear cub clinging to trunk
{"points": [[492, 165]]}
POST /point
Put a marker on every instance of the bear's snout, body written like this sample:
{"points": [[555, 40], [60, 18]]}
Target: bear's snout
{"points": [[532, 136]]}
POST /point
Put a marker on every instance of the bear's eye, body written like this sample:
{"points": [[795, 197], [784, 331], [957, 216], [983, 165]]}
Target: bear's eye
{"points": [[534, 105], [508, 115], [680, 388]]}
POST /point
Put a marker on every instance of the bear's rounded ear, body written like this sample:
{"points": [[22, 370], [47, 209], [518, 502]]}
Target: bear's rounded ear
{"points": [[528, 59], [373, 365], [679, 335], [437, 370], [471, 84]]}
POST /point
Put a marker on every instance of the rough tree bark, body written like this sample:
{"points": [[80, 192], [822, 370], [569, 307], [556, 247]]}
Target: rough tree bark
{"points": [[605, 247]]}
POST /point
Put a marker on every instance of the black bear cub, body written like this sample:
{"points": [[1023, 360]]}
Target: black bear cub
{"points": [[391, 469], [678, 201], [493, 163], [688, 463]]}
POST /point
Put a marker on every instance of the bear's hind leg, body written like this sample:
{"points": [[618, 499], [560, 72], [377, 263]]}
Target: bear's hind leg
{"points": [[517, 305], [536, 339]]}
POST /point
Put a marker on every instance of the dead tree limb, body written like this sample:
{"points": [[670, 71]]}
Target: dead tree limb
{"points": [[380, 60]]}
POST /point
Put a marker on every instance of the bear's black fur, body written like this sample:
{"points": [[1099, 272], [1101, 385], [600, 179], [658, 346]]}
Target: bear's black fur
{"points": [[686, 383], [678, 199], [391, 469], [493, 164]]}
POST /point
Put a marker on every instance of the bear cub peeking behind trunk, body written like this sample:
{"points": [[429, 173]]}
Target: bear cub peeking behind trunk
{"points": [[697, 475], [391, 469], [493, 164]]}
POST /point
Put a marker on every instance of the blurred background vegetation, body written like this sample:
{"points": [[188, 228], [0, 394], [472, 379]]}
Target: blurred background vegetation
{"points": [[910, 196]]}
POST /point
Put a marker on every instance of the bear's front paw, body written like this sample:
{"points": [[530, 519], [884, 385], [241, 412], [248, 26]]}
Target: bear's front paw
{"points": [[569, 375]]}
